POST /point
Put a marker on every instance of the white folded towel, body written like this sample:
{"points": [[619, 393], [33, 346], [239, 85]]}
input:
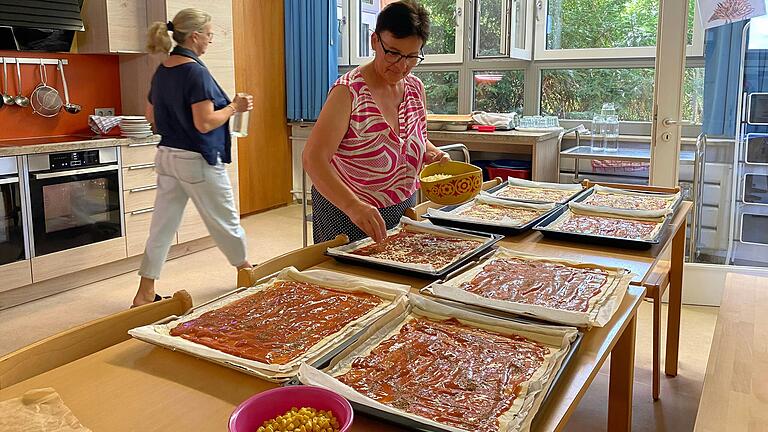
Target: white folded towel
{"points": [[500, 120]]}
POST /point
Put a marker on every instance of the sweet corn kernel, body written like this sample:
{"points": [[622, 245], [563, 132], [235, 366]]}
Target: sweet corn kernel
{"points": [[304, 419]]}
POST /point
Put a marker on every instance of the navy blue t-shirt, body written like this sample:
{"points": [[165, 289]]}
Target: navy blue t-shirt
{"points": [[174, 90]]}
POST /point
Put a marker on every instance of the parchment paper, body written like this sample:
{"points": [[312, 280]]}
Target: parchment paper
{"points": [[391, 293], [517, 418], [600, 310], [490, 199], [410, 225], [39, 410]]}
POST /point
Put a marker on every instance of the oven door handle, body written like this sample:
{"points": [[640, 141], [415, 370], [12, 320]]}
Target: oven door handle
{"points": [[75, 172], [9, 180]]}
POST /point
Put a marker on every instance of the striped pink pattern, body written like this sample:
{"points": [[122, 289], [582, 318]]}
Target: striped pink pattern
{"points": [[378, 165]]}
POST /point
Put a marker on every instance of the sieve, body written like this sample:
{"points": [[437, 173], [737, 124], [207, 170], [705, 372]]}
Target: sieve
{"points": [[45, 100]]}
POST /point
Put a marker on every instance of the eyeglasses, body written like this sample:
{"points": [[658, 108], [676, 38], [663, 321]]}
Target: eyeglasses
{"points": [[393, 57]]}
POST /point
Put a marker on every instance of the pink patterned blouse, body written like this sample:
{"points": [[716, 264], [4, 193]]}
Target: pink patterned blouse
{"points": [[378, 165]]}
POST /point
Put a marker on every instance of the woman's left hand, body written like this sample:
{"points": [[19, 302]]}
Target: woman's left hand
{"points": [[436, 155]]}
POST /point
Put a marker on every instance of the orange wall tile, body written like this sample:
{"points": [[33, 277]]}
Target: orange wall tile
{"points": [[94, 82]]}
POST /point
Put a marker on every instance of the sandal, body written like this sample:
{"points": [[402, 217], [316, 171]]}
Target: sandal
{"points": [[157, 299]]}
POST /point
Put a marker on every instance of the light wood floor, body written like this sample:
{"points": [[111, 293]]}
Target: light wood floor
{"points": [[207, 274]]}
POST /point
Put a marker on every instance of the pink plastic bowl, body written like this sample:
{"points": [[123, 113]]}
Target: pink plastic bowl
{"points": [[261, 407]]}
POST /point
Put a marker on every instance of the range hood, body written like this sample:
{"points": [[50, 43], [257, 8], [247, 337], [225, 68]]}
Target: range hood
{"points": [[39, 25]]}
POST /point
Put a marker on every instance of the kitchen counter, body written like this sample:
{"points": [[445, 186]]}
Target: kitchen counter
{"points": [[18, 147]]}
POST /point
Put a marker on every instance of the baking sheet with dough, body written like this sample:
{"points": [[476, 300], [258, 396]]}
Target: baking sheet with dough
{"points": [[391, 293], [600, 310], [409, 224], [531, 393]]}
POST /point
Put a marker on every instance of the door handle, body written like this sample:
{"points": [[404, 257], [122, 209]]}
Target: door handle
{"points": [[670, 122]]}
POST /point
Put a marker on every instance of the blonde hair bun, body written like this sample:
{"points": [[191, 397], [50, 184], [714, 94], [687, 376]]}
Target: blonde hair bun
{"points": [[186, 22]]}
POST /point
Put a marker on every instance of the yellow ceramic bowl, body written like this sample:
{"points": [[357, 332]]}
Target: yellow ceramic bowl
{"points": [[463, 184]]}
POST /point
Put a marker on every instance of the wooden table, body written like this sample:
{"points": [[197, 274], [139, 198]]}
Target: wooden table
{"points": [[542, 147], [137, 386], [735, 394]]}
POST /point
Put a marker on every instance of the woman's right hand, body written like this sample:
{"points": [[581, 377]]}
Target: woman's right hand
{"points": [[242, 102], [369, 220]]}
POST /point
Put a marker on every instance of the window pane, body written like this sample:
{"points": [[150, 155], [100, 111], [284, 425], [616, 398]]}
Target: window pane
{"points": [[498, 91], [606, 24], [339, 39], [580, 93], [442, 29], [442, 33], [693, 94], [442, 89], [601, 24], [491, 28]]}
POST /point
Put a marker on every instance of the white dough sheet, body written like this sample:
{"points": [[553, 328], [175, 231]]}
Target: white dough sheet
{"points": [[392, 295], [601, 306], [506, 222], [557, 339], [672, 201], [522, 183], [414, 226]]}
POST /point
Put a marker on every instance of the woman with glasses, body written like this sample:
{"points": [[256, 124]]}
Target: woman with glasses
{"points": [[191, 112], [370, 142]]}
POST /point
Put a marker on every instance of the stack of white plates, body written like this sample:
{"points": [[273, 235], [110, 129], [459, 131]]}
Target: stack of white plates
{"points": [[135, 127]]}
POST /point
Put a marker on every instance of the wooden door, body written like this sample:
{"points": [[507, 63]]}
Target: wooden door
{"points": [[265, 154]]}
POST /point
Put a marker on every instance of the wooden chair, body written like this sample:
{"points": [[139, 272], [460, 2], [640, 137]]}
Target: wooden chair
{"points": [[416, 212], [85, 339], [308, 257]]}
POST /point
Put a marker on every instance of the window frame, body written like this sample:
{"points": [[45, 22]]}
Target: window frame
{"points": [[343, 28], [696, 48], [354, 37], [511, 52]]}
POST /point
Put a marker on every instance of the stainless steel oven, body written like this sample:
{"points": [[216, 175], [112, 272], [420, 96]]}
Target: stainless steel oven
{"points": [[12, 233], [74, 199]]}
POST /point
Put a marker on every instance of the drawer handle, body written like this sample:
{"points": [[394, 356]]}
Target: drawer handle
{"points": [[138, 212], [142, 166], [143, 144], [143, 188]]}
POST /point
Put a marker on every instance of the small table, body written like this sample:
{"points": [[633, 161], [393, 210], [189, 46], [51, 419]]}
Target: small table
{"points": [[542, 147], [622, 154]]}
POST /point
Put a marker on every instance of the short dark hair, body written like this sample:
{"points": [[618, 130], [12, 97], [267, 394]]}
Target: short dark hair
{"points": [[403, 19]]}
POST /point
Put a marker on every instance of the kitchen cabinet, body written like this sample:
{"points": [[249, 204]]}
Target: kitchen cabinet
{"points": [[80, 258], [114, 27]]}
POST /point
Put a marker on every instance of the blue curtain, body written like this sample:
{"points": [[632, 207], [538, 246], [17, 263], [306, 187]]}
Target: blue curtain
{"points": [[311, 64], [722, 58]]}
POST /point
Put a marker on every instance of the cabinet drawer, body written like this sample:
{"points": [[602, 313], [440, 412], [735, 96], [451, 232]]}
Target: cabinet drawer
{"points": [[192, 226], [139, 175], [137, 230], [138, 154], [139, 198]]}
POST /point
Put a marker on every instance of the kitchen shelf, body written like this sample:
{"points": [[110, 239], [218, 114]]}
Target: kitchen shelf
{"points": [[623, 154], [33, 61]]}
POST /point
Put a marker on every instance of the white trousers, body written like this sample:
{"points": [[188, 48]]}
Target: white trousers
{"points": [[183, 175]]}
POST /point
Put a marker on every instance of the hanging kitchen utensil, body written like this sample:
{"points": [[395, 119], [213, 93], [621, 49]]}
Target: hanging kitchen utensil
{"points": [[45, 99], [7, 98], [20, 99], [68, 107]]}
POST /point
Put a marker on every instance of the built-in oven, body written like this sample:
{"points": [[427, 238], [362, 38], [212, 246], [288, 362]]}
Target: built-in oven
{"points": [[74, 199], [757, 109], [12, 233]]}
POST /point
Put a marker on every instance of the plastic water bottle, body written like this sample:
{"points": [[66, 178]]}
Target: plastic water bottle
{"points": [[612, 133], [598, 133]]}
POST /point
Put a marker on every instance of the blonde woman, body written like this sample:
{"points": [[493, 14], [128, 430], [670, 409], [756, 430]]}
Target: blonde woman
{"points": [[191, 112]]}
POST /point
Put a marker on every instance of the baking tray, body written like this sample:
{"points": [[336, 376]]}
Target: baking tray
{"points": [[482, 227], [588, 192], [619, 242], [320, 363], [415, 425], [461, 264], [505, 184]]}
